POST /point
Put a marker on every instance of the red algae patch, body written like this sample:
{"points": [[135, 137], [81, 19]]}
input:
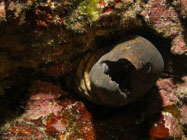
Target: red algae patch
{"points": [[72, 122], [158, 130], [66, 118], [47, 117], [24, 131]]}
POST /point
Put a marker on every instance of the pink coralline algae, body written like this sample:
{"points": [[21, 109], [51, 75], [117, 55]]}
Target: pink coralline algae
{"points": [[184, 114], [179, 44], [165, 20], [45, 116], [167, 91]]}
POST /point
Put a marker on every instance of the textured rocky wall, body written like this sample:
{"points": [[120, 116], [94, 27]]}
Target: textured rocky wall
{"points": [[42, 41]]}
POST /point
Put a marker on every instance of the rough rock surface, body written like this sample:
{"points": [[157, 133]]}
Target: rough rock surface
{"points": [[43, 41]]}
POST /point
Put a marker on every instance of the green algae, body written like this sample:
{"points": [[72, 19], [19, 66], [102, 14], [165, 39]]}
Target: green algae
{"points": [[86, 13], [92, 9]]}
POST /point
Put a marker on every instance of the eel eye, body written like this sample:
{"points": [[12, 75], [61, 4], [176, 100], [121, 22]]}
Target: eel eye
{"points": [[148, 68]]}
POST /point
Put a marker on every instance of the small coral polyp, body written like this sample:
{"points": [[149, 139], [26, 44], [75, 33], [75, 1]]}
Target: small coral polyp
{"points": [[120, 74]]}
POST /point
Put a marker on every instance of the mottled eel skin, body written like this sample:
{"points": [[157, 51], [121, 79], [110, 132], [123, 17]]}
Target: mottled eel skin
{"points": [[120, 74]]}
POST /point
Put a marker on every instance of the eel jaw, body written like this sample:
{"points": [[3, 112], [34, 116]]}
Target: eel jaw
{"points": [[112, 80]]}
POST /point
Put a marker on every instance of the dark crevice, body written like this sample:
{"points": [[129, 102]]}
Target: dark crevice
{"points": [[120, 72]]}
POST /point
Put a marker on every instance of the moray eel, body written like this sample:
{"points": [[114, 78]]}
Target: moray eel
{"points": [[120, 74]]}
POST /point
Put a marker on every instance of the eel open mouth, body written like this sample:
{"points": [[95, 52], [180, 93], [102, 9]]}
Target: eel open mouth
{"points": [[120, 72]]}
